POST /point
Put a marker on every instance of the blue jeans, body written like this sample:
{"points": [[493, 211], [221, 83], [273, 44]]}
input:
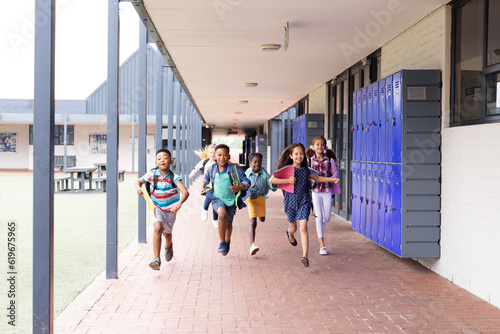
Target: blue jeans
{"points": [[208, 200]]}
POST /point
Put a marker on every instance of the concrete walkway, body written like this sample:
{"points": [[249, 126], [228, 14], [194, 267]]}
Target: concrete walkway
{"points": [[357, 288]]}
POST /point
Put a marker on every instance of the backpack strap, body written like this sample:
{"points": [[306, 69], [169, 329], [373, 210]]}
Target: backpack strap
{"points": [[171, 177], [204, 163]]}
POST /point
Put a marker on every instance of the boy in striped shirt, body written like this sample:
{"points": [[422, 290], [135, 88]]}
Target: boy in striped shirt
{"points": [[167, 200]]}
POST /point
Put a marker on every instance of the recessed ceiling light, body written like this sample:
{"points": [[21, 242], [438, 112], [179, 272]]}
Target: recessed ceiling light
{"points": [[251, 84], [235, 119], [243, 101], [238, 112], [270, 47]]}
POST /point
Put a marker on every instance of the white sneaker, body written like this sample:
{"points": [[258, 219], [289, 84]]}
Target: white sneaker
{"points": [[254, 249], [204, 215], [323, 251], [215, 223]]}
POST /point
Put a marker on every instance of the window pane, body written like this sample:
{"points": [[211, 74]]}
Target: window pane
{"points": [[494, 33], [469, 63], [493, 103]]}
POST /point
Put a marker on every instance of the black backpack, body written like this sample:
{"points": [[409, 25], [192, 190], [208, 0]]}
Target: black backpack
{"points": [[203, 166], [150, 188]]}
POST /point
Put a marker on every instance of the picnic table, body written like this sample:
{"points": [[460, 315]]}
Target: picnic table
{"points": [[81, 175]]}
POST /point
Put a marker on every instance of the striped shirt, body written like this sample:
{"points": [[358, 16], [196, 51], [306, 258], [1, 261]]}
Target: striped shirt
{"points": [[164, 196]]}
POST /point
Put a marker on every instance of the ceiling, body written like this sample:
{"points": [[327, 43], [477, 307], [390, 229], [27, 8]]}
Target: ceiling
{"points": [[215, 46]]}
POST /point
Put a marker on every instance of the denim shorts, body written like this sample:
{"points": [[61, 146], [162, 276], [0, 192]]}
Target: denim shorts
{"points": [[230, 210]]}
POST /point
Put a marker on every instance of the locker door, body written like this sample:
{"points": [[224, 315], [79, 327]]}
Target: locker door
{"points": [[397, 117], [368, 200], [358, 102], [356, 179], [374, 202], [363, 123], [354, 127], [389, 207], [381, 205], [381, 121], [396, 216], [389, 146], [362, 197], [375, 122], [368, 124]]}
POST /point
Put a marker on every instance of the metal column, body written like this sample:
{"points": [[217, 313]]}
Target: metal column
{"points": [[142, 102], [177, 110], [112, 141], [43, 174], [159, 103], [170, 109]]}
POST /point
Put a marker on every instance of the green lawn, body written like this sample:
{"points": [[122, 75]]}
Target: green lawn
{"points": [[79, 244]]}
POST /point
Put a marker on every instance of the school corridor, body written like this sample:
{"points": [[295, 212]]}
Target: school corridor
{"points": [[358, 288]]}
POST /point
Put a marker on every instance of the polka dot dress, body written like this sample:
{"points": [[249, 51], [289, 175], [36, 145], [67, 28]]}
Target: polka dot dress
{"points": [[298, 204]]}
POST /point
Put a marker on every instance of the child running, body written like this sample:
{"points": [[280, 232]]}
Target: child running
{"points": [[323, 160], [226, 193], [298, 204], [208, 159], [166, 198], [259, 188]]}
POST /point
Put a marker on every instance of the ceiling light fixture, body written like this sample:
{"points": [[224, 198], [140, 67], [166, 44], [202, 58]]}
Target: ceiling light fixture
{"points": [[238, 112], [270, 47], [243, 101], [251, 84], [235, 119]]}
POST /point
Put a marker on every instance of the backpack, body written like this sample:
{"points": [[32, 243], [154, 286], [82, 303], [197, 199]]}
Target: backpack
{"points": [[150, 188], [203, 166], [233, 176]]}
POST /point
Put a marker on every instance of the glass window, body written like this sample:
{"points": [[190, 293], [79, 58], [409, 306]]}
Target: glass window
{"points": [[58, 135], [476, 66]]}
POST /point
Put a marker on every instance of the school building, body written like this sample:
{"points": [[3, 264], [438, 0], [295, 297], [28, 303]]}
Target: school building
{"points": [[319, 70]]}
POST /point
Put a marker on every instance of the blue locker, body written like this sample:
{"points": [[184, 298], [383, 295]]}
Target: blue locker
{"points": [[389, 146], [381, 205], [396, 214], [362, 197], [369, 123], [354, 126], [363, 123], [375, 122], [358, 125], [381, 121], [356, 180], [397, 118], [389, 206], [374, 203], [368, 200]]}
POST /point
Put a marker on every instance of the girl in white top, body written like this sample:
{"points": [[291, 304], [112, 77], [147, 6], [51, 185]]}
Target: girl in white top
{"points": [[207, 156]]}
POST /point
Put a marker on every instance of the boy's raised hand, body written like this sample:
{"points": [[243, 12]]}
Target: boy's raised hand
{"points": [[237, 187], [176, 207]]}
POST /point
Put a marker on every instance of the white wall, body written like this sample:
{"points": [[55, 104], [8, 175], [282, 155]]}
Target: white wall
{"points": [[318, 104], [470, 207]]}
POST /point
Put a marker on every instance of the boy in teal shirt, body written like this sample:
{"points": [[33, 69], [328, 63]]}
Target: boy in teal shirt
{"points": [[226, 193]]}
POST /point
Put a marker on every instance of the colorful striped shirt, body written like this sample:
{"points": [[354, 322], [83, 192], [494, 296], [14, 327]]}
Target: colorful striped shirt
{"points": [[164, 196]]}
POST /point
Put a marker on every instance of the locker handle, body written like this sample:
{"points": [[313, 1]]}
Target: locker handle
{"points": [[391, 209], [379, 124], [393, 121]]}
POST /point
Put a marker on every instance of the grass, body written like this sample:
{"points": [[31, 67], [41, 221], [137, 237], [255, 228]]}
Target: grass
{"points": [[79, 241]]}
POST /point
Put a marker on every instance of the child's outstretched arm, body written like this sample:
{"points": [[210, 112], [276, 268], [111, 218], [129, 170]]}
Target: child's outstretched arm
{"points": [[184, 196], [323, 179], [138, 184], [274, 180]]}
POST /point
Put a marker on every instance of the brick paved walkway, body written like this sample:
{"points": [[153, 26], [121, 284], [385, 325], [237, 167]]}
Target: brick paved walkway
{"points": [[358, 288]]}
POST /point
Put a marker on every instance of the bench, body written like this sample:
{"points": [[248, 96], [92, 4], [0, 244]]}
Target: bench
{"points": [[59, 161], [100, 184], [61, 183]]}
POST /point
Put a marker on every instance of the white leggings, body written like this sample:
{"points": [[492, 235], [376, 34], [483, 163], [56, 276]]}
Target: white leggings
{"points": [[323, 208]]}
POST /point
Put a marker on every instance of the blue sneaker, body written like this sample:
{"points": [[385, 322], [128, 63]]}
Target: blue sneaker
{"points": [[226, 250], [222, 247]]}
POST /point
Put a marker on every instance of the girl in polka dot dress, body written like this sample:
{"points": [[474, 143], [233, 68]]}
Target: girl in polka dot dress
{"points": [[298, 204]]}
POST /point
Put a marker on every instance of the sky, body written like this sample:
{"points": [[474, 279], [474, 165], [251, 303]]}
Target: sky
{"points": [[81, 46]]}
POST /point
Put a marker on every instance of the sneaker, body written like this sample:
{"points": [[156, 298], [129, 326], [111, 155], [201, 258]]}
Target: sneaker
{"points": [[204, 215], [215, 223], [254, 249], [323, 251], [155, 263], [226, 250], [222, 247], [169, 252]]}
